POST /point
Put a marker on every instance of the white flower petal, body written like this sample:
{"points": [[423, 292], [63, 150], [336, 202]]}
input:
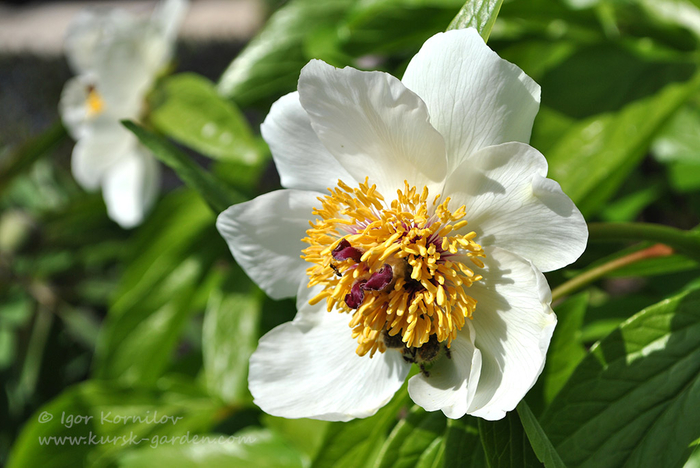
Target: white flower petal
{"points": [[475, 98], [130, 187], [452, 382], [168, 16], [513, 322], [373, 125], [103, 144], [89, 31], [124, 71], [510, 204], [302, 161], [308, 368], [159, 35], [264, 236], [73, 106]]}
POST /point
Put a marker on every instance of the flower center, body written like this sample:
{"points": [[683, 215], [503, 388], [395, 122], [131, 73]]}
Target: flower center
{"points": [[94, 102], [398, 268]]}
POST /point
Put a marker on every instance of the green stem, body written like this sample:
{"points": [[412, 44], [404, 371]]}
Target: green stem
{"points": [[684, 242]]}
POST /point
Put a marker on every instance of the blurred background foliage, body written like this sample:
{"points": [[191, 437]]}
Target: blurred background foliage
{"points": [[97, 319]]}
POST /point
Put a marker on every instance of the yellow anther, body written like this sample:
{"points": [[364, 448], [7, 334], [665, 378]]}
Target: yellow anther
{"points": [[95, 103], [416, 238]]}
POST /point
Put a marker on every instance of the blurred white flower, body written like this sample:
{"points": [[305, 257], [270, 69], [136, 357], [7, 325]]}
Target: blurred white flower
{"points": [[116, 58], [388, 252]]}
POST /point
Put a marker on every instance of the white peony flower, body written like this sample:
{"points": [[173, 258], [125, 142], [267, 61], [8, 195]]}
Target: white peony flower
{"points": [[117, 58], [386, 269]]}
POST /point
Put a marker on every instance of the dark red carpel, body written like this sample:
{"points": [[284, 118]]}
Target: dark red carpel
{"points": [[356, 295], [380, 280], [344, 250]]}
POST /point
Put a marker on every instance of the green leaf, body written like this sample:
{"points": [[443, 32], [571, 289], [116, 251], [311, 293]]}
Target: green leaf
{"points": [[633, 400], [305, 434], [463, 447], [648, 267], [213, 191], [479, 14], [187, 108], [685, 242], [589, 67], [679, 140], [565, 349], [355, 443], [411, 438], [269, 66], [506, 444], [684, 177], [173, 256], [628, 208], [229, 336], [23, 157], [109, 419], [538, 439], [383, 27], [595, 156], [252, 447], [694, 459], [433, 456]]}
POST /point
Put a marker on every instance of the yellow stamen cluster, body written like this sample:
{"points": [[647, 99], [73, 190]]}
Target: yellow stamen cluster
{"points": [[95, 103], [426, 295]]}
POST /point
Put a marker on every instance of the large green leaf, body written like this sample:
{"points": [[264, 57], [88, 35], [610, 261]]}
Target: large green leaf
{"points": [[479, 14], [229, 336], [307, 435], [254, 447], [357, 442], [595, 156], [565, 350], [187, 108], [172, 257], [270, 64], [89, 423], [411, 438], [463, 448], [506, 444], [680, 139], [538, 439], [633, 400]]}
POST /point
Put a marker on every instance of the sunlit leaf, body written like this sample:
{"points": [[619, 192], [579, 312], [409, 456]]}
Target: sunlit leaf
{"points": [[679, 141], [478, 14], [229, 336], [252, 447], [94, 420], [594, 157], [187, 108], [633, 401], [269, 66], [306, 435]]}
